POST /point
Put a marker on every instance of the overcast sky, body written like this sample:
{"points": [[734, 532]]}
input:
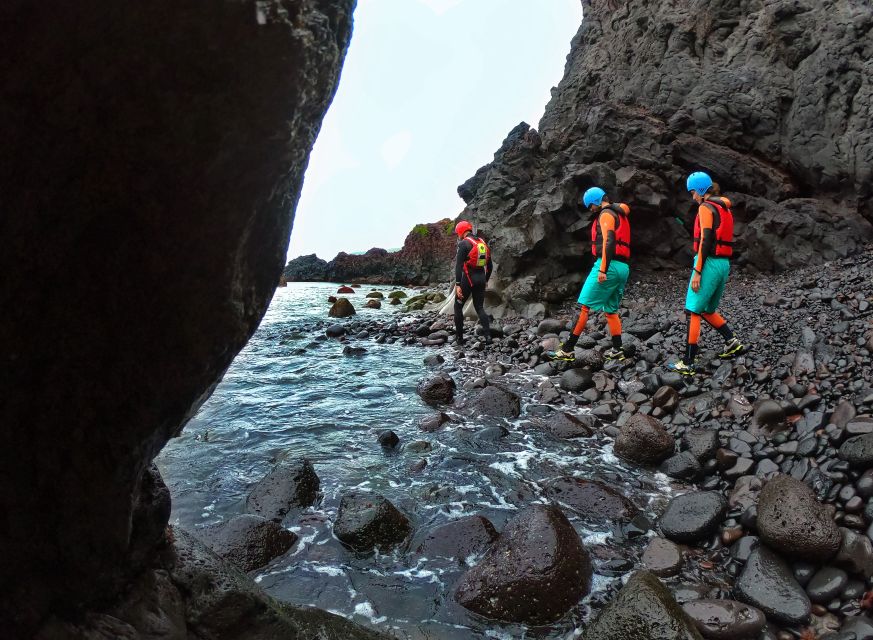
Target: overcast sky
{"points": [[429, 90]]}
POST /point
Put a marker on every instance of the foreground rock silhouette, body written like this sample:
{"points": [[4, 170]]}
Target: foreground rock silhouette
{"points": [[159, 151]]}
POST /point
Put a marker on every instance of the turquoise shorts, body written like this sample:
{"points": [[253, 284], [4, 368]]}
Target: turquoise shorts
{"points": [[606, 296], [712, 282]]}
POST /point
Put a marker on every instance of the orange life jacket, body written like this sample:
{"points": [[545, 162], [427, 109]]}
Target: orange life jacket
{"points": [[622, 233], [722, 227]]}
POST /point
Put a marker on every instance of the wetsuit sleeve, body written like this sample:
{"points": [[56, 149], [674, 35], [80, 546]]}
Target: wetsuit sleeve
{"points": [[607, 231], [707, 236], [460, 259]]}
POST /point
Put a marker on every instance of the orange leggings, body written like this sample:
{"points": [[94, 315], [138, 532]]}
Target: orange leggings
{"points": [[713, 319], [612, 321]]}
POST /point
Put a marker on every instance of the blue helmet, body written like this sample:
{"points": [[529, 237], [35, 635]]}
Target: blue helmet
{"points": [[699, 182], [594, 195]]}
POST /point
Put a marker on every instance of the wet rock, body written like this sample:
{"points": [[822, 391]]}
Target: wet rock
{"points": [[693, 516], [666, 398], [644, 609], [663, 558], [826, 584], [858, 451], [373, 304], [702, 443], [342, 308], [429, 424], [388, 439], [354, 352], [682, 466], [550, 325], [397, 295], [533, 574], [566, 425], [368, 520], [498, 401], [643, 439], [768, 584], [745, 493], [378, 295], [769, 413], [345, 290], [290, 484], [791, 521], [460, 538], [434, 360], [577, 380], [855, 554], [335, 331], [491, 434], [440, 389], [860, 626], [725, 619], [547, 393], [248, 541], [592, 500]]}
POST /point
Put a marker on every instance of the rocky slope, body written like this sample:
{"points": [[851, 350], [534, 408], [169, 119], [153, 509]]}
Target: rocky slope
{"points": [[770, 454], [154, 155], [773, 98], [425, 258]]}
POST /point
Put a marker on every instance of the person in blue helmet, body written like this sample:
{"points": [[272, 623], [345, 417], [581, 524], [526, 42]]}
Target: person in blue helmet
{"points": [[713, 248], [604, 287]]}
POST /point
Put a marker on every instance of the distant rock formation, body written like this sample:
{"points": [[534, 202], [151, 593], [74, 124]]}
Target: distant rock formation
{"points": [[774, 99], [426, 258]]}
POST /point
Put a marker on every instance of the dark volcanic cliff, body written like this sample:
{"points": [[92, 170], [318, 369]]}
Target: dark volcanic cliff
{"points": [[774, 98], [153, 157], [425, 258]]}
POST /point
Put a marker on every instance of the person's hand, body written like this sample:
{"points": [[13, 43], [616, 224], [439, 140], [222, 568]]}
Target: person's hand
{"points": [[695, 282], [459, 294], [601, 277]]}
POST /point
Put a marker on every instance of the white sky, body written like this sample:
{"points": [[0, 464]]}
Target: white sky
{"points": [[429, 90]]}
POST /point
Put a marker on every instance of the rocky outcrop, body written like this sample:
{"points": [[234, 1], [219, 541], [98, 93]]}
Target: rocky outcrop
{"points": [[309, 268], [427, 257], [156, 153], [773, 98]]}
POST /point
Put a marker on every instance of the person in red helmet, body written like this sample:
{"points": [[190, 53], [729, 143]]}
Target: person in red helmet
{"points": [[472, 272]]}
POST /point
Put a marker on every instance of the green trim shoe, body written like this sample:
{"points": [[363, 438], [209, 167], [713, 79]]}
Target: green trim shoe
{"points": [[614, 355], [681, 368], [731, 349]]}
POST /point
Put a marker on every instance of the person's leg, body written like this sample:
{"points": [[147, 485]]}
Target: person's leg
{"points": [[717, 322], [570, 343], [459, 312], [693, 337], [479, 305], [614, 324]]}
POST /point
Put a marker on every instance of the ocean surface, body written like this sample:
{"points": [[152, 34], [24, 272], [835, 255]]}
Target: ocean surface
{"points": [[288, 393]]}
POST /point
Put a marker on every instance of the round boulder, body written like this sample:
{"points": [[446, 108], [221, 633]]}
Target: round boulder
{"points": [[550, 325], [768, 583], [375, 294], [666, 398], [769, 413], [592, 500], [248, 541], [793, 522], [397, 295], [373, 304], [345, 290], [693, 516], [433, 423], [725, 619], [459, 539], [437, 390], [335, 331], [644, 440], [388, 439], [368, 520], [577, 380], [342, 308], [858, 451], [644, 609], [495, 400], [290, 484], [566, 425], [663, 558], [533, 574]]}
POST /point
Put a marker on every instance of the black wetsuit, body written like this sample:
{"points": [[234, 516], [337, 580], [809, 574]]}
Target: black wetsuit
{"points": [[471, 280]]}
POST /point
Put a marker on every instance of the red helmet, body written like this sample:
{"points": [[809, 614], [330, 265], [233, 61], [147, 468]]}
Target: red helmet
{"points": [[463, 227]]}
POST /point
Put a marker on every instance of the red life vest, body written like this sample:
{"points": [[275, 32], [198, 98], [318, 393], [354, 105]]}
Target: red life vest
{"points": [[478, 256], [622, 233], [722, 227]]}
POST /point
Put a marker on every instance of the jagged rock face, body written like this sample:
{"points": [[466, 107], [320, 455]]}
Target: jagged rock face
{"points": [[155, 154], [774, 99], [427, 257]]}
